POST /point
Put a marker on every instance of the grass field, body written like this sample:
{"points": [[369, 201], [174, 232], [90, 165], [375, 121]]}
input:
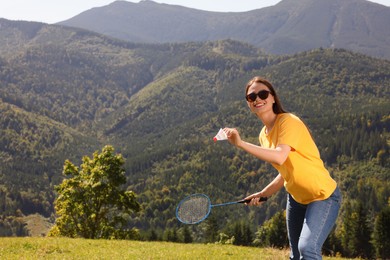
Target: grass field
{"points": [[66, 248]]}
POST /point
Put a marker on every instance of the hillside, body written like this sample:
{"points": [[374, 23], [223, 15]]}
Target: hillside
{"points": [[286, 28], [65, 92]]}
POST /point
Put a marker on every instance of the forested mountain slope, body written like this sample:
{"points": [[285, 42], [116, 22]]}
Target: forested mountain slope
{"points": [[65, 93]]}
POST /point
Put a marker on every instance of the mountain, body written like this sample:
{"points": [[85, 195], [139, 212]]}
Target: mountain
{"points": [[286, 28], [66, 92]]}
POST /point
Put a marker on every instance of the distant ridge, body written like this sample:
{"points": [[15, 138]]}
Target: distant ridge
{"points": [[290, 26]]}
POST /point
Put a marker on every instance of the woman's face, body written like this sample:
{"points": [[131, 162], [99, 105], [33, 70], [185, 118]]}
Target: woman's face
{"points": [[258, 100]]}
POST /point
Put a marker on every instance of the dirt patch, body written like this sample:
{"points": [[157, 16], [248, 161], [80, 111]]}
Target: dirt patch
{"points": [[36, 225]]}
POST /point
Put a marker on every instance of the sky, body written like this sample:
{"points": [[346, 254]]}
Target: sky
{"points": [[53, 11]]}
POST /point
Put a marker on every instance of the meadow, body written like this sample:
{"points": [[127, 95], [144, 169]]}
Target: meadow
{"points": [[67, 248]]}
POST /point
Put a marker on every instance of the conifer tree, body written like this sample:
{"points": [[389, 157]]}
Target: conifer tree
{"points": [[356, 232], [238, 235], [381, 234], [187, 238], [211, 231]]}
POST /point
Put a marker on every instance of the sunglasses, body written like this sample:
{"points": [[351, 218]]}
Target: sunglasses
{"points": [[262, 94]]}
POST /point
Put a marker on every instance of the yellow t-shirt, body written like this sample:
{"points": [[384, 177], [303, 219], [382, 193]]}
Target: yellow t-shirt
{"points": [[304, 173]]}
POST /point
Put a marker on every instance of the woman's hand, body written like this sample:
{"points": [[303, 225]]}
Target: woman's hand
{"points": [[254, 199], [271, 188], [233, 136]]}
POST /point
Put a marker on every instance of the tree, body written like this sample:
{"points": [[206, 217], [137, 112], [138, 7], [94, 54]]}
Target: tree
{"points": [[152, 236], [171, 235], [381, 234], [248, 235], [273, 232], [356, 232], [332, 245], [211, 229], [187, 237], [92, 203], [238, 235]]}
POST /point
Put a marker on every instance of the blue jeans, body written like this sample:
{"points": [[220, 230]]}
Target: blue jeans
{"points": [[308, 226]]}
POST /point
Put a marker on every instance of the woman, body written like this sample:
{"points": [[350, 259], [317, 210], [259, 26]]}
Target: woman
{"points": [[313, 199]]}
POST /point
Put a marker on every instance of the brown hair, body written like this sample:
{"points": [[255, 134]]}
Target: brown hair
{"points": [[277, 106]]}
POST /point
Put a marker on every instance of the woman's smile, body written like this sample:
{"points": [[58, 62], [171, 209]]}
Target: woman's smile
{"points": [[259, 105]]}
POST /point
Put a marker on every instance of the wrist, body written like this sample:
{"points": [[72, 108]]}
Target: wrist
{"points": [[262, 195], [240, 144]]}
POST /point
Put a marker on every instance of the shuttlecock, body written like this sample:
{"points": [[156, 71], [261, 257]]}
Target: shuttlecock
{"points": [[221, 135]]}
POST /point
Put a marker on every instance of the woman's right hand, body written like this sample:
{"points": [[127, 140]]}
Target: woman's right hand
{"points": [[233, 136]]}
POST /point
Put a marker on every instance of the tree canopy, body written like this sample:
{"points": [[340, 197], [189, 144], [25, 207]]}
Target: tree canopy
{"points": [[92, 203]]}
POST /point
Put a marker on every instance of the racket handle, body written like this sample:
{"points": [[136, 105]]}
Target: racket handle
{"points": [[249, 200]]}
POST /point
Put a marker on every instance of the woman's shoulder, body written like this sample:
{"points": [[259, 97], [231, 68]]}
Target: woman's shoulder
{"points": [[288, 116]]}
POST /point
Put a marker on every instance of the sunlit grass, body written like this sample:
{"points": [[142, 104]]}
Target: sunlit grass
{"points": [[66, 248]]}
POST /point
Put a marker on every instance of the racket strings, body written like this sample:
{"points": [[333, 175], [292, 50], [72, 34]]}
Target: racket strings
{"points": [[194, 209]]}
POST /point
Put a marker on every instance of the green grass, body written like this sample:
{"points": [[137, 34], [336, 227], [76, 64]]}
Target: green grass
{"points": [[66, 248]]}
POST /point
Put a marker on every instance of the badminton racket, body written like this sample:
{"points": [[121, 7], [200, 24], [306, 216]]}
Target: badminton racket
{"points": [[197, 207]]}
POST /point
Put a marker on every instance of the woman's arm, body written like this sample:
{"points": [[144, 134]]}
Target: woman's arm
{"points": [[277, 155], [269, 190]]}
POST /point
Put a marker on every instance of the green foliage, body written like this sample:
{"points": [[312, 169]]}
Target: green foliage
{"points": [[273, 232], [381, 234], [66, 92], [91, 203], [242, 234], [31, 150], [171, 235], [356, 232], [187, 237], [211, 229], [11, 227]]}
